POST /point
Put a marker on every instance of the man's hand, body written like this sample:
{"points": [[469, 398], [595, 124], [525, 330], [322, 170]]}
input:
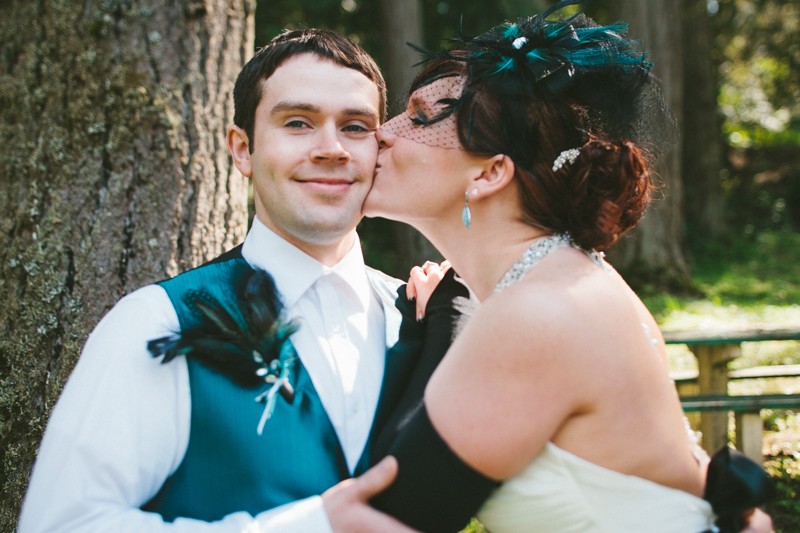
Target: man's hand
{"points": [[422, 281], [347, 507]]}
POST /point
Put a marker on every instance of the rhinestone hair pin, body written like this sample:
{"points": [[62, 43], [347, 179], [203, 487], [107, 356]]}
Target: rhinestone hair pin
{"points": [[567, 156]]}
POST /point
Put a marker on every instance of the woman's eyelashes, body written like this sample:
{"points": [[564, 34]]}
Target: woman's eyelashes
{"points": [[441, 109], [419, 118]]}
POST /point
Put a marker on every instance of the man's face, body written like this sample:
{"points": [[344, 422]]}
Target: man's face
{"points": [[313, 151]]}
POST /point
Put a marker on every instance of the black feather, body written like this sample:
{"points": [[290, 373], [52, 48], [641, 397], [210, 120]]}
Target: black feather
{"points": [[237, 342]]}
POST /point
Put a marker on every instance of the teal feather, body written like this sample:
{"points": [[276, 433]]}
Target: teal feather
{"points": [[555, 51], [536, 55], [512, 31], [506, 63]]}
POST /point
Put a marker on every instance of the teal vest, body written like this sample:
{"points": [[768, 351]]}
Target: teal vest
{"points": [[228, 467]]}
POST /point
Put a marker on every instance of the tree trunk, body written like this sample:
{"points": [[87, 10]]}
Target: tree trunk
{"points": [[402, 23], [114, 173], [702, 146], [654, 251]]}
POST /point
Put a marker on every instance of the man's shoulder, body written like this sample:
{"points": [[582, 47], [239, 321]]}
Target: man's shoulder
{"points": [[226, 269], [233, 255], [141, 315], [382, 278]]}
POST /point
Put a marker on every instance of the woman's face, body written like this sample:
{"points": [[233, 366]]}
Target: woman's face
{"points": [[422, 171]]}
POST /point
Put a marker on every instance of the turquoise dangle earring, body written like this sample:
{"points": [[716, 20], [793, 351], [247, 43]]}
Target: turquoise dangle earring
{"points": [[466, 214]]}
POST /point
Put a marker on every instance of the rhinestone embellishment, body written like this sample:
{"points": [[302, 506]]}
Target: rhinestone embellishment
{"points": [[531, 257], [537, 251]]}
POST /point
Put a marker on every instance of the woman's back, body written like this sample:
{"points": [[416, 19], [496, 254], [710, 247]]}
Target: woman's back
{"points": [[576, 363], [614, 362]]}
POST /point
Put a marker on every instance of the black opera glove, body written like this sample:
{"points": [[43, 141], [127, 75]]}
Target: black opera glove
{"points": [[734, 485]]}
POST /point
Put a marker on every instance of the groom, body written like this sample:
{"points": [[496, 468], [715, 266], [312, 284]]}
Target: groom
{"points": [[135, 444]]}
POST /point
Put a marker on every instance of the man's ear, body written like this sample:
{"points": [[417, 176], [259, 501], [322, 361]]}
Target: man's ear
{"points": [[497, 173], [239, 147]]}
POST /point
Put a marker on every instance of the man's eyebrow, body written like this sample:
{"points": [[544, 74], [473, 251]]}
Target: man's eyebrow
{"points": [[361, 112], [289, 105]]}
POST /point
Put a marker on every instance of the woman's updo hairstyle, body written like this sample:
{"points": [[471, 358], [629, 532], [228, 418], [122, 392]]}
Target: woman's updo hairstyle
{"points": [[536, 88]]}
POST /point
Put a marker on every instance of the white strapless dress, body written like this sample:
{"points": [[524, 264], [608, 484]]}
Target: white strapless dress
{"points": [[561, 492]]}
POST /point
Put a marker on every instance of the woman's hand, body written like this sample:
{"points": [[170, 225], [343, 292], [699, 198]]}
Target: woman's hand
{"points": [[422, 281], [758, 522]]}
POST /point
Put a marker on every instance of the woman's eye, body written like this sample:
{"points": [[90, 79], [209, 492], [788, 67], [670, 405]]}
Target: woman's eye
{"points": [[419, 119]]}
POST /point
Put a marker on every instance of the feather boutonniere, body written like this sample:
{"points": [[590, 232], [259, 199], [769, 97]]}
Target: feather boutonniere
{"points": [[246, 344]]}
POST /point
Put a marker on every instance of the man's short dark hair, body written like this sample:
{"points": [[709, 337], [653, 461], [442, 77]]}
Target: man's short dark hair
{"points": [[326, 44]]}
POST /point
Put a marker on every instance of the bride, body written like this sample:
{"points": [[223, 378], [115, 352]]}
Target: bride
{"points": [[522, 155]]}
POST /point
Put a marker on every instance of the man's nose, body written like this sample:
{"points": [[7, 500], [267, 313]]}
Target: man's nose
{"points": [[329, 146]]}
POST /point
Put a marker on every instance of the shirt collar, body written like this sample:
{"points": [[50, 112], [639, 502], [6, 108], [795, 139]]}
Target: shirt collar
{"points": [[352, 271], [294, 271]]}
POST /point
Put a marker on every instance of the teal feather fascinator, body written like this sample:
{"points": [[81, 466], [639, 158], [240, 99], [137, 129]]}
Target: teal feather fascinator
{"points": [[572, 59]]}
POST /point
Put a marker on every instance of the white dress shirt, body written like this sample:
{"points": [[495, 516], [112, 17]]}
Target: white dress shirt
{"points": [[121, 425]]}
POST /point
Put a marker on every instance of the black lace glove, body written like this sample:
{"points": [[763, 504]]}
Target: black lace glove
{"points": [[434, 491], [448, 309]]}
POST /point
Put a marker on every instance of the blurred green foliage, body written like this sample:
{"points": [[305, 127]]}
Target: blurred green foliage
{"points": [[757, 50], [785, 470]]}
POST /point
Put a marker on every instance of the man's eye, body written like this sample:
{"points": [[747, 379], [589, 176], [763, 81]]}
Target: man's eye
{"points": [[356, 128], [296, 124]]}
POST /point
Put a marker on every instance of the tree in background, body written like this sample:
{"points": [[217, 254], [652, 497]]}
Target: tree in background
{"points": [[401, 23], [114, 173], [701, 127], [741, 118], [654, 250], [758, 43]]}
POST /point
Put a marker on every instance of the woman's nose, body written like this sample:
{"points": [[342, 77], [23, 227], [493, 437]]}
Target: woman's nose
{"points": [[385, 136]]}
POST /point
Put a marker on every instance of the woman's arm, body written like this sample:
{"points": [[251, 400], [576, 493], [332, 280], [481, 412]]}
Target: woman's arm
{"points": [[446, 311], [441, 482], [435, 490]]}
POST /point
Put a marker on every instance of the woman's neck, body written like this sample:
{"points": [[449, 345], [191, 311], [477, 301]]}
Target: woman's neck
{"points": [[481, 255]]}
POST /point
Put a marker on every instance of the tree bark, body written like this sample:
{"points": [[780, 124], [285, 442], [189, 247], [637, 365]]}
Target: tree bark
{"points": [[654, 251], [114, 173], [702, 146], [402, 23]]}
